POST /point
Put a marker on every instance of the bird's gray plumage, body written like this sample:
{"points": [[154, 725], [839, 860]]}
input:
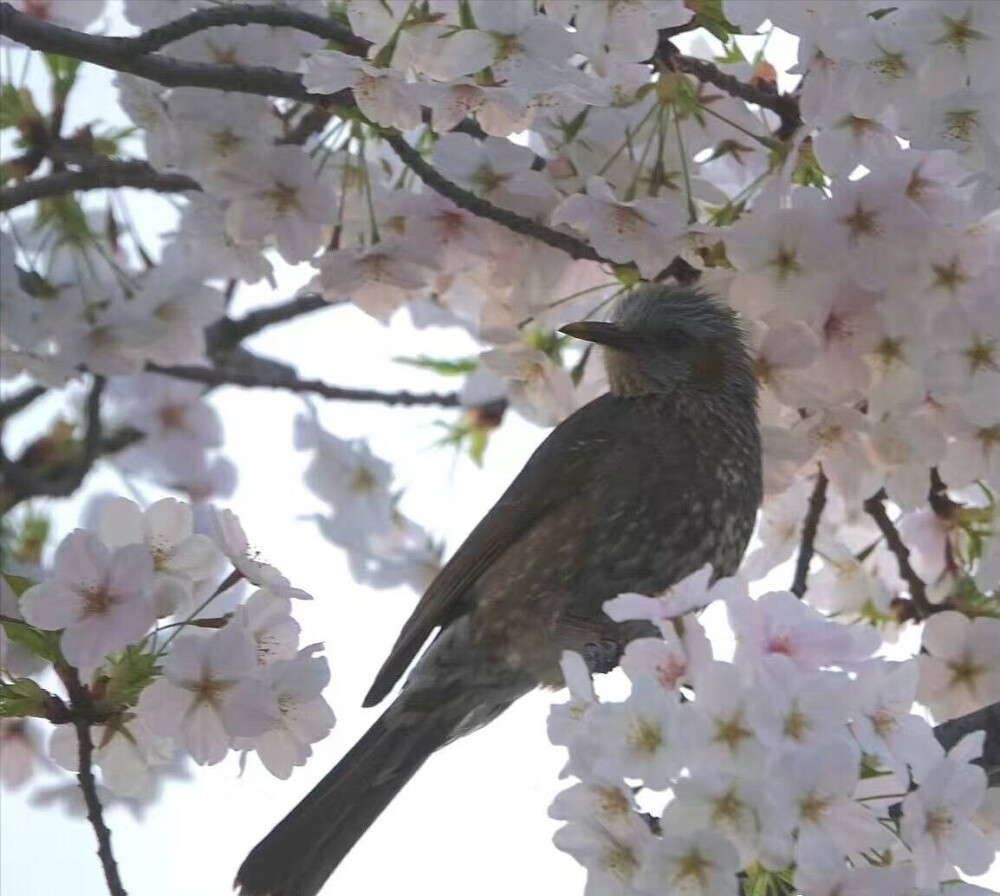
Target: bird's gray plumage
{"points": [[633, 492]]}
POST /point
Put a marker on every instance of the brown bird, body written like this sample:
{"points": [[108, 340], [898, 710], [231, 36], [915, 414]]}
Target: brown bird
{"points": [[633, 492]]}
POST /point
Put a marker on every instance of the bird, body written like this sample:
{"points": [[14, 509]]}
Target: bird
{"points": [[634, 491]]}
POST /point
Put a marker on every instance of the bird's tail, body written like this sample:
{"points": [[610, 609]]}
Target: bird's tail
{"points": [[297, 857]]}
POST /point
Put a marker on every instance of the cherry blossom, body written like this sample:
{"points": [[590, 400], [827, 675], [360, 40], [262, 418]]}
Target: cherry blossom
{"points": [[101, 600]]}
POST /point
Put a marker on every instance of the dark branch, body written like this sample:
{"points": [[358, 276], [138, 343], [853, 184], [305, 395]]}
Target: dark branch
{"points": [[875, 508], [986, 719], [20, 478], [96, 176], [80, 703], [810, 525], [10, 406], [227, 333], [118, 53], [785, 106], [215, 376], [247, 14], [575, 248]]}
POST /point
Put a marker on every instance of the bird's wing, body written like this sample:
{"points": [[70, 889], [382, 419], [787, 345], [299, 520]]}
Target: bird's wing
{"points": [[562, 464]]}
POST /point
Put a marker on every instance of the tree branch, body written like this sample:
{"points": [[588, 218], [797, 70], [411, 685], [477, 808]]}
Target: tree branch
{"points": [[96, 176], [875, 508], [784, 105], [219, 376], [119, 54], [226, 333], [80, 705], [10, 406], [810, 525], [571, 245], [247, 14], [986, 719], [20, 481]]}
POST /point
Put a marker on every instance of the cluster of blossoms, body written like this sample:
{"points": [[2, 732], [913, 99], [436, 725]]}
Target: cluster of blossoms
{"points": [[789, 764], [854, 224], [135, 609]]}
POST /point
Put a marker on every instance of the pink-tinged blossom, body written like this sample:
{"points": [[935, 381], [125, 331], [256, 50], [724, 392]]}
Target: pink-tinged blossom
{"points": [[378, 279], [537, 387], [127, 754], [936, 816], [809, 790], [960, 670], [180, 557], [268, 619], [716, 727], [643, 231], [671, 660], [844, 587], [702, 863], [305, 716], [639, 738], [75, 14], [835, 437], [382, 94], [278, 195], [99, 599], [208, 695], [779, 623], [225, 530], [885, 726], [691, 593]]}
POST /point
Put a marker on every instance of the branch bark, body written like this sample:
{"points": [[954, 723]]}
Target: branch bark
{"points": [[986, 719], [96, 176], [10, 406], [220, 376], [80, 705], [875, 508], [810, 525]]}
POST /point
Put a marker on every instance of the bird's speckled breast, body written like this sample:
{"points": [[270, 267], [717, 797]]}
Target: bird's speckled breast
{"points": [[678, 490]]}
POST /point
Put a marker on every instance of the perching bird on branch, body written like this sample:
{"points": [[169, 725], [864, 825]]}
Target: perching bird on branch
{"points": [[633, 492]]}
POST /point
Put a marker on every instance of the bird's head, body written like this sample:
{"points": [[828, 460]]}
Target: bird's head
{"points": [[672, 340]]}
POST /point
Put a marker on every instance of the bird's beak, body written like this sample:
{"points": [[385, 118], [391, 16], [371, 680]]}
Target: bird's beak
{"points": [[602, 333]]}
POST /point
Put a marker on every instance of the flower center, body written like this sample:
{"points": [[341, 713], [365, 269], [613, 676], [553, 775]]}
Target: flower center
{"points": [[645, 736]]}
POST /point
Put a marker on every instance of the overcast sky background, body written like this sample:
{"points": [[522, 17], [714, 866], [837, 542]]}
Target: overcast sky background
{"points": [[473, 820]]}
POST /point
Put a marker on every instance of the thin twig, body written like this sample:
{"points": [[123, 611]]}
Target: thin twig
{"points": [[216, 376], [810, 525], [105, 174], [784, 105], [227, 333], [80, 704], [575, 248], [875, 508], [10, 406]]}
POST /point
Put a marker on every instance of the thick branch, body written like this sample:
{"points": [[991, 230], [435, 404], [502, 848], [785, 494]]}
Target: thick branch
{"points": [[810, 525], [875, 508], [10, 406], [215, 376], [96, 176], [80, 707], [119, 54], [247, 14], [575, 248]]}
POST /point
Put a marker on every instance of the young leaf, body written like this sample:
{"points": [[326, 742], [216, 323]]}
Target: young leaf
{"points": [[23, 697]]}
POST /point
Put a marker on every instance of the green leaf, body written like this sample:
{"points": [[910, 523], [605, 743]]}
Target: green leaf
{"points": [[19, 584], [710, 16], [10, 106], [443, 366], [881, 13], [43, 644], [129, 674], [23, 697], [66, 217], [63, 70]]}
